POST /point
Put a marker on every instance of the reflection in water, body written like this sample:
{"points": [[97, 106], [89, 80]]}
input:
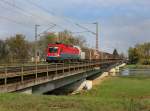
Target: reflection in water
{"points": [[125, 72], [134, 72]]}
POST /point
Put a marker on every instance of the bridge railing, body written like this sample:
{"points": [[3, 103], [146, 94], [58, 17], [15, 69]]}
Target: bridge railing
{"points": [[15, 74]]}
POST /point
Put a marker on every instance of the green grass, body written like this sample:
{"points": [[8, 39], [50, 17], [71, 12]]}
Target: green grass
{"points": [[114, 94]]}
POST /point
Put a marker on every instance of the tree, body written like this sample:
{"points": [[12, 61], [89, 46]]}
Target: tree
{"points": [[48, 38], [115, 53], [18, 48], [140, 54], [3, 51], [133, 55]]}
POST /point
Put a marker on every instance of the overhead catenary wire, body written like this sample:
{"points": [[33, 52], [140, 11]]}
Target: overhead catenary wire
{"points": [[52, 13], [40, 7], [86, 29], [26, 13], [14, 21], [30, 14], [36, 5], [26, 24], [43, 32], [80, 32], [33, 15], [15, 6]]}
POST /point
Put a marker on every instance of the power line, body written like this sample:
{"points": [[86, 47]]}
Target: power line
{"points": [[80, 32], [44, 9], [36, 5], [53, 14], [47, 29], [21, 9], [86, 29], [15, 6], [95, 33], [8, 18], [33, 15], [50, 12], [13, 21]]}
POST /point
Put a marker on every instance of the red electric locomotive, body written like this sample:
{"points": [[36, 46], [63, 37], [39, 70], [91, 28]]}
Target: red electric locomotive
{"points": [[62, 52]]}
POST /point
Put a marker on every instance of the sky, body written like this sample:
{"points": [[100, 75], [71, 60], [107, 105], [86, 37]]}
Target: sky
{"points": [[122, 23]]}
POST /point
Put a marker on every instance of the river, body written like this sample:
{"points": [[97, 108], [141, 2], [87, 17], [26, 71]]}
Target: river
{"points": [[135, 72]]}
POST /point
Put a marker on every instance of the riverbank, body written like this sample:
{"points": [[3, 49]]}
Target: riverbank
{"points": [[114, 94], [138, 66]]}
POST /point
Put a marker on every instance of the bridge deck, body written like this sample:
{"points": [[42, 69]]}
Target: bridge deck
{"points": [[13, 78]]}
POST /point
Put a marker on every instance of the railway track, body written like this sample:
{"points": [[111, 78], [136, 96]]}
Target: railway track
{"points": [[27, 69], [14, 74]]}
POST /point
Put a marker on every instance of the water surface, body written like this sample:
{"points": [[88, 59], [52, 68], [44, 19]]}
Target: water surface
{"points": [[135, 72]]}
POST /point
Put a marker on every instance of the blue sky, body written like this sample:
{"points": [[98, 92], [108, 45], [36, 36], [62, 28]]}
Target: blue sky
{"points": [[123, 23]]}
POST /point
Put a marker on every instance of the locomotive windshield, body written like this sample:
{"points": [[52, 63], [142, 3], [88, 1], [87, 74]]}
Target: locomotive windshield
{"points": [[53, 49]]}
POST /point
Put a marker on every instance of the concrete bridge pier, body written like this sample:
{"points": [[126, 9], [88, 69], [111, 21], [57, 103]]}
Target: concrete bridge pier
{"points": [[77, 86], [25, 91], [115, 70]]}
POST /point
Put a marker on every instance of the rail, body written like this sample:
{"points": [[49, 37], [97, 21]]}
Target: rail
{"points": [[10, 75]]}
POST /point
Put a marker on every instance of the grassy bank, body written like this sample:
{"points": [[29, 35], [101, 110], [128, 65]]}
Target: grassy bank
{"points": [[114, 94]]}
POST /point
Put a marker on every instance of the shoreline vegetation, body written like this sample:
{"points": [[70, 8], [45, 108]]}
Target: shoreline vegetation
{"points": [[113, 94], [139, 54]]}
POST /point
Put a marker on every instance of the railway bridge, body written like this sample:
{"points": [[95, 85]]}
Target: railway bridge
{"points": [[43, 78]]}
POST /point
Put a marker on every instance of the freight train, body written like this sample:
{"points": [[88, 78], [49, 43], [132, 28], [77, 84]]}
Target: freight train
{"points": [[62, 52]]}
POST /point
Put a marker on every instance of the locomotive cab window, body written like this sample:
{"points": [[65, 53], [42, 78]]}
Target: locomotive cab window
{"points": [[53, 49]]}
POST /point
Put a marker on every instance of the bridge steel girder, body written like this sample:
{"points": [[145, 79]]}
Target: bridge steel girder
{"points": [[52, 85], [48, 83], [33, 84]]}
